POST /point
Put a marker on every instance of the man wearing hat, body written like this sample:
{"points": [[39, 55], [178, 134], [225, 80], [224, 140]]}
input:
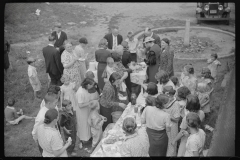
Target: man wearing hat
{"points": [[53, 63], [152, 58], [114, 39], [149, 33], [61, 37]]}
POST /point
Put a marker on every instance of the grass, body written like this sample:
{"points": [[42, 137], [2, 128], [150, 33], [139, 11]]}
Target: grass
{"points": [[21, 25]]}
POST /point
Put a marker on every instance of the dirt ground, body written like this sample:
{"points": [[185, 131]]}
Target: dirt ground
{"points": [[29, 32]]}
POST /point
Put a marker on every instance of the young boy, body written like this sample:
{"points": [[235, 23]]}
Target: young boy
{"points": [[67, 122], [11, 115], [33, 78], [213, 65], [95, 120]]}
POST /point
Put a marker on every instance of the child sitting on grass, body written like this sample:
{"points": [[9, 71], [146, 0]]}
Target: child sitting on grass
{"points": [[11, 115], [95, 121], [33, 77], [213, 65], [68, 123]]}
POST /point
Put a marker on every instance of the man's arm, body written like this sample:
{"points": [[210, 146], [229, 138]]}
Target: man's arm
{"points": [[57, 59]]}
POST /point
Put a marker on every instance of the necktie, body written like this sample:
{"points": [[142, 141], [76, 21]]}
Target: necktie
{"points": [[115, 42]]}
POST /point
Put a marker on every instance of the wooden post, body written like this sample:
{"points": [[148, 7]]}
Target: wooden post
{"points": [[187, 30]]}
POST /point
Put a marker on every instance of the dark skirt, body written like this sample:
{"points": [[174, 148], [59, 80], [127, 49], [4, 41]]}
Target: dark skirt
{"points": [[106, 112], [158, 142], [101, 67], [151, 72]]}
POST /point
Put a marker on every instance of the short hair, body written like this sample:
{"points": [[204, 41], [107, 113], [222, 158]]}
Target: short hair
{"points": [[66, 102], [150, 101], [152, 88], [86, 82], [119, 49], [193, 120], [53, 89], [11, 101], [129, 125], [114, 76], [50, 115], [162, 76], [214, 55], [49, 98], [83, 40], [166, 40], [175, 80], [161, 100], [206, 73], [169, 90], [51, 38], [109, 59], [193, 104], [183, 92], [103, 43], [124, 44], [88, 74], [114, 27], [116, 57], [189, 68]]}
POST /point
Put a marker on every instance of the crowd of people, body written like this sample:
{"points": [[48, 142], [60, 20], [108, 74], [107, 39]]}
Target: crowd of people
{"points": [[76, 108]]}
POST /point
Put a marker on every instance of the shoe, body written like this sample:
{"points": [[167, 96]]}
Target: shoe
{"points": [[80, 145]]}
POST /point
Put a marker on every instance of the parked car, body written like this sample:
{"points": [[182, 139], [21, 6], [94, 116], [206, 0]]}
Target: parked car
{"points": [[213, 11]]}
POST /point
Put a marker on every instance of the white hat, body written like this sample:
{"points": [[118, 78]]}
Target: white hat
{"points": [[148, 39]]}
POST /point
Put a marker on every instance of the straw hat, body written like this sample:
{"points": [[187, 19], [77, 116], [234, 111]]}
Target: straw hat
{"points": [[148, 39]]}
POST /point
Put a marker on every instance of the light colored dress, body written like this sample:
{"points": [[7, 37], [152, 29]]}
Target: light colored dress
{"points": [[204, 90], [82, 113], [214, 67], [72, 72], [32, 72], [190, 83], [79, 52], [136, 145], [69, 94], [182, 146], [195, 142], [174, 110]]}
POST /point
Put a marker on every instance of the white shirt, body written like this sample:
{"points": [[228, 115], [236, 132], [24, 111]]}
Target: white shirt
{"points": [[115, 42], [59, 34], [32, 72], [51, 45], [132, 45]]}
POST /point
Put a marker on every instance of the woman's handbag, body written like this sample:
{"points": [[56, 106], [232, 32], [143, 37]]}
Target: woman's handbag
{"points": [[151, 58]]}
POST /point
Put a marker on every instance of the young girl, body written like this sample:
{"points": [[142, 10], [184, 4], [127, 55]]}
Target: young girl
{"points": [[204, 89], [95, 121], [196, 139], [213, 65], [175, 81], [68, 123], [33, 78], [68, 92], [172, 107], [181, 96], [89, 74], [11, 115]]}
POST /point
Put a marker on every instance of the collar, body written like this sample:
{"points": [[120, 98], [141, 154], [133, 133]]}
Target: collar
{"points": [[170, 103], [114, 36], [10, 107], [51, 45], [151, 34], [131, 136]]}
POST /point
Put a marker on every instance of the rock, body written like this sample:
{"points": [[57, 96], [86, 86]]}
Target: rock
{"points": [[71, 23], [47, 3], [83, 22]]}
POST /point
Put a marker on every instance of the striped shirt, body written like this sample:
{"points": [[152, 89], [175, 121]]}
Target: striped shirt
{"points": [[108, 98], [50, 140]]}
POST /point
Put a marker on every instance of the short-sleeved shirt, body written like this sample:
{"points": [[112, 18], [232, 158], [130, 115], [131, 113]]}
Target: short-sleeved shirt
{"points": [[195, 142], [132, 45], [213, 67], [155, 118], [10, 113], [50, 140]]}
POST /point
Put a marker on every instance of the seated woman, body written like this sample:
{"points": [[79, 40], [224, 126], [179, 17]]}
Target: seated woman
{"points": [[204, 89], [11, 115], [109, 98], [192, 105], [158, 124], [188, 78], [163, 79], [136, 143], [151, 90]]}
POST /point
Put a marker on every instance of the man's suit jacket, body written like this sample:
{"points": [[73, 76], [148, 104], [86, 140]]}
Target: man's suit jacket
{"points": [[109, 38], [59, 41], [52, 61], [156, 38]]}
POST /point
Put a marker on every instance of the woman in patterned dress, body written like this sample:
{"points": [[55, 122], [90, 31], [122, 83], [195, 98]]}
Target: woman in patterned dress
{"points": [[166, 58], [136, 143], [69, 61]]}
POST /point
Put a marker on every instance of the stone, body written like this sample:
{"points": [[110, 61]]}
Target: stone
{"points": [[83, 22], [71, 23]]}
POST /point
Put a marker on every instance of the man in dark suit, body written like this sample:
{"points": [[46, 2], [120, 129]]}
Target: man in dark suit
{"points": [[53, 63], [149, 33], [114, 39], [61, 37]]}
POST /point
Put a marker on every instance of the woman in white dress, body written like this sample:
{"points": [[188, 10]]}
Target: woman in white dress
{"points": [[84, 99]]}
